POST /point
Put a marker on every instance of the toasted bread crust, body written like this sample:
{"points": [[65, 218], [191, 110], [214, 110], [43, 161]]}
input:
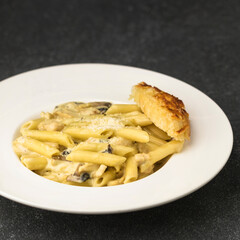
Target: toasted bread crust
{"points": [[164, 110]]}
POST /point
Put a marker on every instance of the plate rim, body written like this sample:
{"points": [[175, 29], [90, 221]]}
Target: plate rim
{"points": [[228, 153]]}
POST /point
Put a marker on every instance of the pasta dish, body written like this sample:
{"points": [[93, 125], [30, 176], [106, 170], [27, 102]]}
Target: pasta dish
{"points": [[104, 144]]}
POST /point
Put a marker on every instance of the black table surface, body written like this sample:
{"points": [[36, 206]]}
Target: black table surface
{"points": [[195, 41]]}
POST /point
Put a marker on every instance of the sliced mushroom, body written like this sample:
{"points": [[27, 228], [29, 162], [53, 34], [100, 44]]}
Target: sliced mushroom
{"points": [[59, 157], [98, 104], [77, 109], [63, 155], [66, 152], [101, 106], [79, 179], [108, 150]]}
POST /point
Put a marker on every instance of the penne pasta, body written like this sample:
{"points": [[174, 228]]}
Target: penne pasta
{"points": [[37, 146], [133, 134], [34, 162], [158, 132], [94, 147], [101, 147], [104, 179], [152, 146], [49, 136], [30, 125], [116, 181], [122, 108], [85, 133], [102, 168], [156, 140], [162, 152], [96, 157], [122, 150], [139, 120], [131, 172], [94, 144]]}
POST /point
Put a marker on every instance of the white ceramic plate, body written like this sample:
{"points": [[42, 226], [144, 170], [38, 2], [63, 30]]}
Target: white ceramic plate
{"points": [[24, 96]]}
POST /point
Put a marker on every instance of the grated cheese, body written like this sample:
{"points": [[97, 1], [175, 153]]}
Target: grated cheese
{"points": [[105, 123]]}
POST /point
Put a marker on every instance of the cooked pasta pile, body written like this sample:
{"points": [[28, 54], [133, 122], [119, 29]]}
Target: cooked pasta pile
{"points": [[93, 144]]}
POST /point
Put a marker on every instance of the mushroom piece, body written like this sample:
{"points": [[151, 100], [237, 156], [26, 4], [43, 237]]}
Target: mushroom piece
{"points": [[66, 152], [63, 155], [102, 107], [79, 179], [77, 109], [108, 150], [97, 104]]}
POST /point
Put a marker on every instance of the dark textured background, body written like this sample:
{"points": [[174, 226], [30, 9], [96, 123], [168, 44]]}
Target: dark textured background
{"points": [[195, 41]]}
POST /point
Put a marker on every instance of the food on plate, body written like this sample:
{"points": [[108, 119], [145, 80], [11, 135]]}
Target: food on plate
{"points": [[103, 144]]}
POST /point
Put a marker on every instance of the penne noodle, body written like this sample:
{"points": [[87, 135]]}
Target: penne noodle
{"points": [[100, 170], [94, 147], [156, 140], [162, 152], [49, 136], [85, 133], [152, 146], [100, 147], [37, 146], [153, 138], [140, 120], [136, 118], [19, 149], [31, 125], [131, 172], [122, 108], [116, 181], [122, 150], [104, 179], [96, 157], [133, 134], [158, 132], [34, 162], [118, 168]]}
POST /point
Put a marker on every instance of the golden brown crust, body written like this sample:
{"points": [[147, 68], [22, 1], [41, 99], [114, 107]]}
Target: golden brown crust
{"points": [[164, 110]]}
